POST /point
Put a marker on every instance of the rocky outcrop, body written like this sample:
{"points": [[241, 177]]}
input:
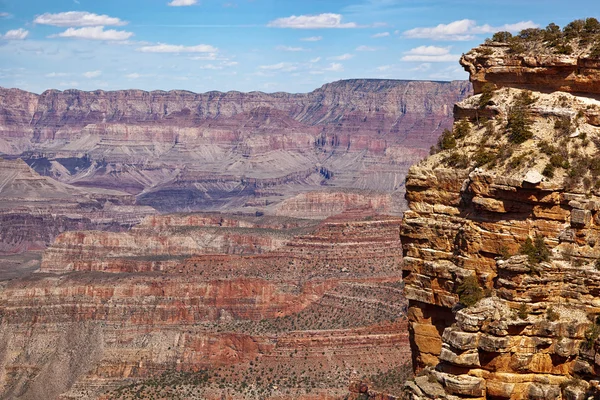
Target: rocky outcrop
{"points": [[181, 151], [500, 243], [537, 69], [320, 205]]}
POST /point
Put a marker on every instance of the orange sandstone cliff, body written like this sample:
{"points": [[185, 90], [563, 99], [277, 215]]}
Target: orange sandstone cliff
{"points": [[501, 240]]}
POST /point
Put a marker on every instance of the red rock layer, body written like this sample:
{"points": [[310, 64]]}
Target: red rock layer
{"points": [[326, 300]]}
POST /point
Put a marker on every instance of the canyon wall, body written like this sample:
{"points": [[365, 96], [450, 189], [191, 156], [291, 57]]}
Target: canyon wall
{"points": [[181, 151], [500, 242], [206, 306]]}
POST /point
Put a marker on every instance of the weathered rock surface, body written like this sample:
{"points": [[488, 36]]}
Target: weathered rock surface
{"points": [[291, 308], [532, 332], [35, 209], [536, 70], [181, 151]]}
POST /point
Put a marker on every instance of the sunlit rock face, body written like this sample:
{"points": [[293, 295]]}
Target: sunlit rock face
{"points": [[500, 242], [261, 300]]}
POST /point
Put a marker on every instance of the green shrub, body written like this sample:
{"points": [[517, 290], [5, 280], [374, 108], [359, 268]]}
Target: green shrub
{"points": [[504, 252], [502, 37], [564, 49], [469, 292], [523, 312], [483, 157], [548, 171], [552, 33], [456, 160], [552, 315], [595, 51], [487, 51], [462, 129], [519, 120], [516, 45], [559, 161], [563, 126], [447, 140], [591, 335], [487, 94], [574, 29], [535, 250]]}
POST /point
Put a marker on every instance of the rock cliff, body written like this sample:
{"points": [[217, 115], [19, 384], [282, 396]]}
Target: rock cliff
{"points": [[500, 243], [208, 306], [181, 151]]}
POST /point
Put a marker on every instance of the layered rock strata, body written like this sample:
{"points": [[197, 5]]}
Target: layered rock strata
{"points": [[181, 151], [236, 306], [35, 209], [500, 242]]}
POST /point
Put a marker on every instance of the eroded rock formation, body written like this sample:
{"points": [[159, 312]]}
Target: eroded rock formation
{"points": [[181, 151], [501, 240], [35, 209], [205, 306]]}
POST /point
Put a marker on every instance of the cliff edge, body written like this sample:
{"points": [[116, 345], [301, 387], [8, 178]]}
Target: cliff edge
{"points": [[501, 255]]}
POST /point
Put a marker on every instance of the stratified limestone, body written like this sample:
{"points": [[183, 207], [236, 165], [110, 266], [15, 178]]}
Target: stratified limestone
{"points": [[534, 333]]}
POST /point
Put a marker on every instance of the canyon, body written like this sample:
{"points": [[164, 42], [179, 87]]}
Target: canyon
{"points": [[180, 245], [500, 241], [207, 305]]}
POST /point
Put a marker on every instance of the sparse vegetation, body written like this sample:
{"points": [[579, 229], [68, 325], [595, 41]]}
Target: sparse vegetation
{"points": [[457, 160], [519, 120], [581, 34], [523, 311], [469, 291], [535, 250], [552, 315], [487, 94]]}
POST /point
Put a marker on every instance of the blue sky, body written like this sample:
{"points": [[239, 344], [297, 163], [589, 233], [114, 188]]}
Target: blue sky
{"points": [[245, 45]]}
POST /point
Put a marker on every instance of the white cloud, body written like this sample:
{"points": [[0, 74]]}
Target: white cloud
{"points": [[289, 48], [15, 34], [343, 57], [218, 67], [56, 75], [465, 29], [173, 48], [383, 68], [380, 35], [429, 51], [315, 60], [77, 18], [312, 39], [133, 76], [335, 67], [449, 73], [182, 3], [422, 67], [205, 57], [327, 20], [282, 66], [5, 15], [430, 54], [365, 48], [92, 74], [211, 66], [94, 33]]}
